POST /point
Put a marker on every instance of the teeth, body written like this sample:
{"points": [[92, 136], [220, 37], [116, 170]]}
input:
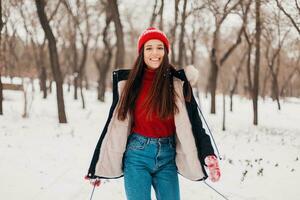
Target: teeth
{"points": [[153, 59]]}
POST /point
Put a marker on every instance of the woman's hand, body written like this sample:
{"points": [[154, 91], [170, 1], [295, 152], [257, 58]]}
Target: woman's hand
{"points": [[95, 182], [213, 166]]}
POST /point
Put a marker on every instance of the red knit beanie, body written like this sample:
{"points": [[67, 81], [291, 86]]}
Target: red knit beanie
{"points": [[152, 33]]}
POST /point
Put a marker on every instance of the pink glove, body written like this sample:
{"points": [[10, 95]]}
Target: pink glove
{"points": [[95, 182], [213, 166]]}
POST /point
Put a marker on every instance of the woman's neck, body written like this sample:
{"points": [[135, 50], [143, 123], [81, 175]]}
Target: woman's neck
{"points": [[149, 73]]}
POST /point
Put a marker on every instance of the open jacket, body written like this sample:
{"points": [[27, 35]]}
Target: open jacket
{"points": [[192, 143]]}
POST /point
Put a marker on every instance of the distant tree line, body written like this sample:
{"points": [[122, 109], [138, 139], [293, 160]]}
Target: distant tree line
{"points": [[245, 47]]}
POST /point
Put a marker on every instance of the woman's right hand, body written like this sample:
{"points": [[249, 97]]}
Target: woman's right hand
{"points": [[213, 166], [95, 182]]}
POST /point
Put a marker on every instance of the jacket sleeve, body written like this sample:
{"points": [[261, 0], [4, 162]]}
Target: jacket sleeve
{"points": [[203, 141], [91, 171]]}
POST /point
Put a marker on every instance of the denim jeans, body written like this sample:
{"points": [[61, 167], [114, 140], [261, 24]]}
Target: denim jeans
{"points": [[150, 161]]}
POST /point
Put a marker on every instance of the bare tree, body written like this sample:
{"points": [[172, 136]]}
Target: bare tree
{"points": [[159, 13], [181, 36], [154, 14], [257, 61], [39, 54], [288, 15], [293, 73], [1, 21], [193, 39], [250, 41], [14, 56], [224, 113], [173, 31], [272, 55], [216, 60], [1, 86], [40, 5], [236, 74], [79, 65], [38, 50], [120, 55], [103, 62]]}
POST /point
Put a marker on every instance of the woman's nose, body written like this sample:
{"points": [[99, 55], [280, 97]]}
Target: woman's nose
{"points": [[155, 51]]}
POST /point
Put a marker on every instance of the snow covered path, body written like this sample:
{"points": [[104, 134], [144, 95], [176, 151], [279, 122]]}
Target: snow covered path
{"points": [[43, 160]]}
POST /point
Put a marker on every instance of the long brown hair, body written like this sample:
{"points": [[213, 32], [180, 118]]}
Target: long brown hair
{"points": [[161, 97]]}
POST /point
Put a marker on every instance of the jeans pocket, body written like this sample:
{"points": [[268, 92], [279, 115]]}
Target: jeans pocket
{"points": [[136, 143]]}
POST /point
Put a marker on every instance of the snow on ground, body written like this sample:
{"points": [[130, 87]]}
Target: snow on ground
{"points": [[41, 159]]}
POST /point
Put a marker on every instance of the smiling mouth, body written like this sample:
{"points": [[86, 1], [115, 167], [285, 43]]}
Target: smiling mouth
{"points": [[155, 59]]}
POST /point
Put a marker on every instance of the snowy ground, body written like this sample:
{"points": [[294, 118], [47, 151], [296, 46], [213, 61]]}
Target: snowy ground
{"points": [[43, 160]]}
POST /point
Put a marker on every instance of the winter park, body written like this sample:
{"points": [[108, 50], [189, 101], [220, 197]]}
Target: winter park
{"points": [[124, 99]]}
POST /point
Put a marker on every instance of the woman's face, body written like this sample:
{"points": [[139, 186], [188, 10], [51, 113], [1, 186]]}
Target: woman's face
{"points": [[154, 51]]}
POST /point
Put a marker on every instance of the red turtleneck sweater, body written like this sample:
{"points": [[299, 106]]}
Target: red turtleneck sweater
{"points": [[154, 127]]}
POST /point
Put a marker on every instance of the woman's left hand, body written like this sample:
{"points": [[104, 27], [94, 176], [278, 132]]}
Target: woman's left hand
{"points": [[213, 166]]}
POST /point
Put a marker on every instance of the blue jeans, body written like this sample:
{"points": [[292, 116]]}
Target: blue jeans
{"points": [[150, 161]]}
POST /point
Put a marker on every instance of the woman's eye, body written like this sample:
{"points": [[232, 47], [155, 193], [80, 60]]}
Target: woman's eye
{"points": [[160, 48], [148, 48]]}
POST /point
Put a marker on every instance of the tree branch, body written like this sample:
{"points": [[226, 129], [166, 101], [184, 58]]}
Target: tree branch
{"points": [[55, 11], [239, 39], [289, 16]]}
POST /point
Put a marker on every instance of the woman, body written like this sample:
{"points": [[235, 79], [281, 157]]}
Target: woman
{"points": [[153, 130]]}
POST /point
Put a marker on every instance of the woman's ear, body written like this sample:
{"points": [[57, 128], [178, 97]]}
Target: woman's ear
{"points": [[191, 74]]}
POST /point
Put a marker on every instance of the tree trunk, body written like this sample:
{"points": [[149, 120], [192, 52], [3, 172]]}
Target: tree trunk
{"points": [[224, 113], [231, 102], [264, 83], [1, 22], [1, 94], [50, 86], [87, 83], [173, 33], [249, 77], [81, 70], [276, 85], [103, 64], [40, 4], [75, 82], [69, 83], [236, 80], [181, 37], [81, 94], [101, 87], [257, 61], [43, 84], [160, 13], [120, 55], [25, 110], [198, 94], [154, 14], [276, 91], [1, 86], [194, 47], [103, 67], [213, 76]]}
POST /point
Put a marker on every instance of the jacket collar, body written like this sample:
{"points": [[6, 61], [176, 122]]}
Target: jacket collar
{"points": [[188, 73]]}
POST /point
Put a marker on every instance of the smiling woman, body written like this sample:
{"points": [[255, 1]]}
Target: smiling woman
{"points": [[153, 131]]}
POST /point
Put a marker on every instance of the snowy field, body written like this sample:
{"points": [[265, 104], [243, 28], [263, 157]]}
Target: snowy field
{"points": [[43, 160]]}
